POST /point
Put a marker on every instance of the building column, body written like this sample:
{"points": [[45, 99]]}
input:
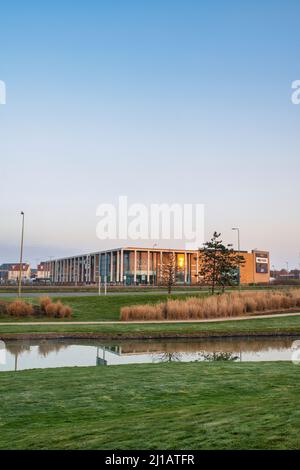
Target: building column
{"points": [[111, 266], [90, 267], [134, 269], [70, 270], [118, 266], [148, 267], [174, 266], [185, 267], [122, 266], [78, 273], [95, 270], [160, 267]]}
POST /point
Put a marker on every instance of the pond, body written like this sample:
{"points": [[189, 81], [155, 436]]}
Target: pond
{"points": [[20, 355]]}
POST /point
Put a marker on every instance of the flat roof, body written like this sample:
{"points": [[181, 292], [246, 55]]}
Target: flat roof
{"points": [[137, 248]]}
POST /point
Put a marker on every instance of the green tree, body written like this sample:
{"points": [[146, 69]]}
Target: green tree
{"points": [[219, 264]]}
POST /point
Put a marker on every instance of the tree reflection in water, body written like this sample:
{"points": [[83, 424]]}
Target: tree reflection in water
{"points": [[167, 357], [218, 356]]}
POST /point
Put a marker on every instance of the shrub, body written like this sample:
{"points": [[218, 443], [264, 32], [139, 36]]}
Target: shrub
{"points": [[51, 309], [3, 307], [19, 308], [58, 310], [44, 301], [67, 311]]}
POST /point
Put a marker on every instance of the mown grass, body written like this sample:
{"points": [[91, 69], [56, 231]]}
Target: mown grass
{"points": [[275, 326], [162, 406], [95, 308]]}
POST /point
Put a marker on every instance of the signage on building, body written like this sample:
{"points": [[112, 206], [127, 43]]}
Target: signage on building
{"points": [[262, 263], [261, 260]]}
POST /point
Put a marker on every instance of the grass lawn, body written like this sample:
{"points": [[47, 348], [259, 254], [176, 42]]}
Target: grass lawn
{"points": [[96, 308], [161, 406], [93, 288], [276, 326]]}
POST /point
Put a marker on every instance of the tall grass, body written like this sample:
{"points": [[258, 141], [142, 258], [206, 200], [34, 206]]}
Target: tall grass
{"points": [[55, 309], [20, 308], [219, 306]]}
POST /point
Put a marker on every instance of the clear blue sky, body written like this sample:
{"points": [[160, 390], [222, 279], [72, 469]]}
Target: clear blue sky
{"points": [[163, 101]]}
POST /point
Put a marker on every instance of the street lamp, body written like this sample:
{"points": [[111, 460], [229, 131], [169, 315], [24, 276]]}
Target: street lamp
{"points": [[21, 256], [239, 249]]}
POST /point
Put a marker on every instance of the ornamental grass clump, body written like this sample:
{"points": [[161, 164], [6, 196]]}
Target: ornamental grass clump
{"points": [[235, 304], [44, 302], [20, 308], [55, 309]]}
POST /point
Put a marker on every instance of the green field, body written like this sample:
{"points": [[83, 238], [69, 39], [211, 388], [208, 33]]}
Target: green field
{"points": [[95, 308], [274, 326], [163, 406]]}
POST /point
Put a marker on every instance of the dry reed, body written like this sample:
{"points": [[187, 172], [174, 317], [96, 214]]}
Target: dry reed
{"points": [[55, 309], [44, 301], [19, 308], [219, 306]]}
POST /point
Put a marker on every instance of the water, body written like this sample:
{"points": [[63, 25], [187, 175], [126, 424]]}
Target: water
{"points": [[20, 355]]}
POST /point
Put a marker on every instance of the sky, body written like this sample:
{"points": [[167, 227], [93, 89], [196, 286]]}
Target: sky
{"points": [[165, 101]]}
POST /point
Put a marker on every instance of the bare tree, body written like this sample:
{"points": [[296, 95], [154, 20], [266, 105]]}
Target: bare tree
{"points": [[168, 271]]}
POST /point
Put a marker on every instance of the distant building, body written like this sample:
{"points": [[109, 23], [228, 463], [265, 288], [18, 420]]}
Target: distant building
{"points": [[43, 271], [33, 273], [143, 266], [284, 275], [10, 272]]}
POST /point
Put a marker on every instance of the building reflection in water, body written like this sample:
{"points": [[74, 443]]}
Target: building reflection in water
{"points": [[72, 352]]}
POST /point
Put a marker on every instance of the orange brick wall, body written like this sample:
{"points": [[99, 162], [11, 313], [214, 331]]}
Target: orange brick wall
{"points": [[248, 270]]}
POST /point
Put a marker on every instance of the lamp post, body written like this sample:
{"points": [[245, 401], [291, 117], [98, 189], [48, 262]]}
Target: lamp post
{"points": [[21, 256], [239, 249]]}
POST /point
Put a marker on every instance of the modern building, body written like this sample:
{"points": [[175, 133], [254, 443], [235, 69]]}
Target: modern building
{"points": [[10, 272], [136, 266]]}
